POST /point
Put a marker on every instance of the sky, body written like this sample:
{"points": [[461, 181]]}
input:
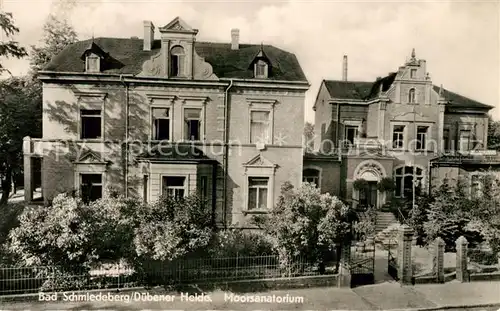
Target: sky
{"points": [[459, 39]]}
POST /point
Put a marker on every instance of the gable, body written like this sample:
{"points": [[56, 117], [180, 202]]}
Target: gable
{"points": [[178, 25], [259, 161], [90, 157]]}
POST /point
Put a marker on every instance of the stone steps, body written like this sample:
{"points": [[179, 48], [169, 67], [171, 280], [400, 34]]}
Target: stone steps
{"points": [[384, 220]]}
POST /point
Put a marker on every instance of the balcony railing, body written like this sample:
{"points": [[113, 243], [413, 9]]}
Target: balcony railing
{"points": [[469, 157]]}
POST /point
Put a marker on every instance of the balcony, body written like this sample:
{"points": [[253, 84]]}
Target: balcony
{"points": [[473, 157]]}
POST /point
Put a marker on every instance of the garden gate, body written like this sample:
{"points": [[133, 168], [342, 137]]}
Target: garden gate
{"points": [[362, 263], [392, 263]]}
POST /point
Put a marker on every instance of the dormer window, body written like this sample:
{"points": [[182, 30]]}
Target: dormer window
{"points": [[92, 63], [261, 69], [95, 58], [177, 57]]}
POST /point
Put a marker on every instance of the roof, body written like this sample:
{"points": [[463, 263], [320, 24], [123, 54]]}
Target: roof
{"points": [[348, 89], [360, 90], [174, 152], [459, 101], [128, 56], [386, 83]]}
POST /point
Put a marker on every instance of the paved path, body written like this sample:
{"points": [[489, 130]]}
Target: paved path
{"points": [[384, 296]]}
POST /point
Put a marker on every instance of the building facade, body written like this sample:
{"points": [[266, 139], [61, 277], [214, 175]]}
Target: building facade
{"points": [[400, 127], [173, 116]]}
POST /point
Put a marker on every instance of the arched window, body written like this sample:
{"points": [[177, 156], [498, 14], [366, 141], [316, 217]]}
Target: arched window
{"points": [[177, 57], [411, 96], [404, 179], [311, 175]]}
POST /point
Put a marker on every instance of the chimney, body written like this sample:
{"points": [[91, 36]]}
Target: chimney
{"points": [[235, 39], [149, 35], [344, 69]]}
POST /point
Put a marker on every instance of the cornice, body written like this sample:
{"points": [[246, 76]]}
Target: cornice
{"points": [[99, 94]]}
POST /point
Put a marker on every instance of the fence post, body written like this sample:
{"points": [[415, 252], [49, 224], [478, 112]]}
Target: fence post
{"points": [[405, 271], [461, 268], [344, 275], [438, 254], [236, 264]]}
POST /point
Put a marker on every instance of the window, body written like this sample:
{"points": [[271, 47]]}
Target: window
{"points": [[421, 137], [91, 123], [92, 64], [145, 188], [411, 96], [413, 73], [204, 188], [177, 61], [174, 186], [465, 140], [351, 132], [404, 181], [192, 119], [398, 136], [259, 127], [446, 139], [260, 69], [311, 176], [161, 123], [90, 187], [257, 193]]}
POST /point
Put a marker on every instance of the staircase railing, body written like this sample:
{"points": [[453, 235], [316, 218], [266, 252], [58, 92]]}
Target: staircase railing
{"points": [[401, 217]]}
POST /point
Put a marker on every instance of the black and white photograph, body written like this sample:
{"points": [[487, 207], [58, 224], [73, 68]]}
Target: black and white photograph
{"points": [[250, 155]]}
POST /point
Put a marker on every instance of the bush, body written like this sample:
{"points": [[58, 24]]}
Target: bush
{"points": [[306, 224], [235, 242], [386, 184], [482, 257], [73, 235], [9, 220], [172, 228]]}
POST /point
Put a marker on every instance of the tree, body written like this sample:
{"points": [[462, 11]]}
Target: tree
{"points": [[9, 48], [20, 116], [57, 34], [21, 98], [493, 134], [309, 137], [306, 224]]}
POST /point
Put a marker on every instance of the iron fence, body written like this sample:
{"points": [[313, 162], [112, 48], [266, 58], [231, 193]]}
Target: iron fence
{"points": [[24, 280]]}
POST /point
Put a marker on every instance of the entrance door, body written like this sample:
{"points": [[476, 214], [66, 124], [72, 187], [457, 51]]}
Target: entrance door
{"points": [[368, 196]]}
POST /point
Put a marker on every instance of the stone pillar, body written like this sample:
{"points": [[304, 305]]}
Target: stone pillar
{"points": [[344, 279], [405, 271], [28, 167], [438, 255], [462, 270]]}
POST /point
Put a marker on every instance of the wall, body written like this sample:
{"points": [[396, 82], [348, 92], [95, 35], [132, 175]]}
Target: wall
{"points": [[477, 123], [330, 174], [289, 168], [322, 117]]}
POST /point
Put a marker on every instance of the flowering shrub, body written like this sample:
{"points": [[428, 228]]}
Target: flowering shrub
{"points": [[235, 242], [170, 228], [306, 223], [72, 234]]}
